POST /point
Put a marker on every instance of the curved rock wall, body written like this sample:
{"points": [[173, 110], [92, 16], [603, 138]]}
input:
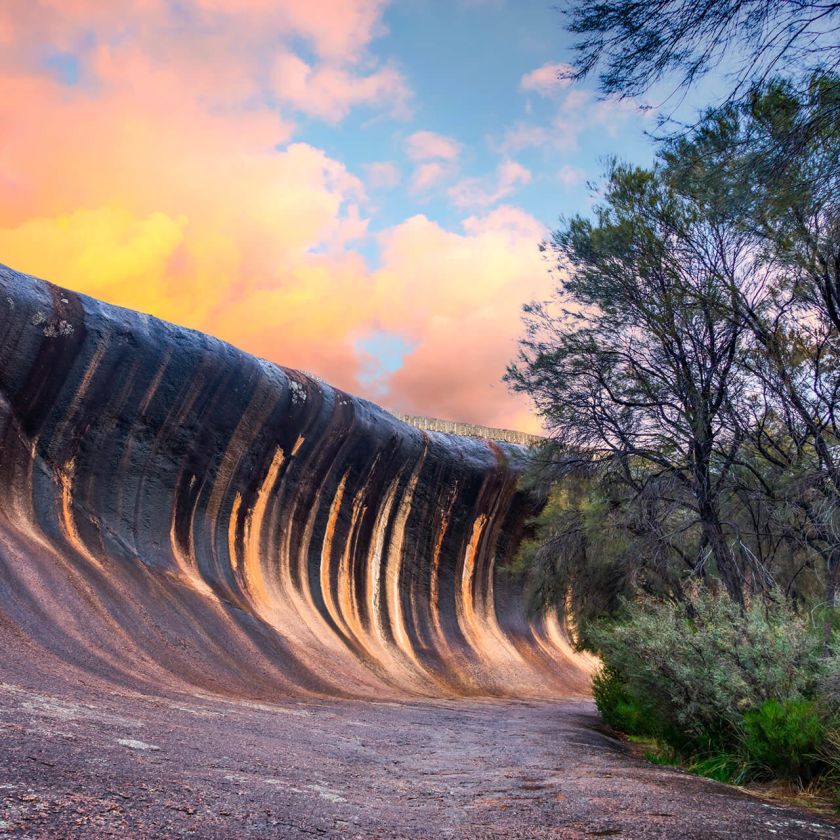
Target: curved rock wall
{"points": [[178, 515]]}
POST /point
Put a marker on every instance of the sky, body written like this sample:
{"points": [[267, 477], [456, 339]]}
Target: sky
{"points": [[355, 188]]}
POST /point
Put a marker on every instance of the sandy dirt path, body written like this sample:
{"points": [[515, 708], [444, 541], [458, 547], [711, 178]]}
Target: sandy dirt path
{"points": [[86, 765]]}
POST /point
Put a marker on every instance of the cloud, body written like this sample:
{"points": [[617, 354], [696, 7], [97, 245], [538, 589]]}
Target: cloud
{"points": [[185, 262], [336, 31], [168, 180], [382, 175], [108, 252], [571, 176], [547, 80], [435, 157], [521, 136], [514, 223], [330, 92], [575, 113], [448, 292], [427, 145], [614, 112], [481, 192], [428, 175], [254, 245]]}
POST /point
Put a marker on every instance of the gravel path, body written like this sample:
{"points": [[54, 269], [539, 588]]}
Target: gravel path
{"points": [[85, 765]]}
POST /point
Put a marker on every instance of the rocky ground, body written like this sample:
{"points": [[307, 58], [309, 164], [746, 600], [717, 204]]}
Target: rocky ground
{"points": [[130, 766]]}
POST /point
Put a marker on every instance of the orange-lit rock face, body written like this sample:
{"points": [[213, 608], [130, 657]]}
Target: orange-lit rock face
{"points": [[178, 515]]}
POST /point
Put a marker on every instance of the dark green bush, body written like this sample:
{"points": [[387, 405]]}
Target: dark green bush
{"points": [[786, 738], [735, 693], [617, 706], [723, 767]]}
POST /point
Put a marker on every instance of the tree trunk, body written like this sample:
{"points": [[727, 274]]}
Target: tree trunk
{"points": [[832, 563], [727, 568]]}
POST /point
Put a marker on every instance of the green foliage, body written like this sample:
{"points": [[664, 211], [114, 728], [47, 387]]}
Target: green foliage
{"points": [[702, 663], [662, 757], [619, 709], [829, 754], [736, 693], [722, 767], [786, 737], [580, 559]]}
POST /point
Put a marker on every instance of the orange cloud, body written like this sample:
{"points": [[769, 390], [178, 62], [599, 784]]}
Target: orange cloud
{"points": [[107, 252], [457, 298], [169, 182]]}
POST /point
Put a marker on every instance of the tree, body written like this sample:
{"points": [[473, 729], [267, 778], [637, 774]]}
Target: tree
{"points": [[640, 369], [639, 42], [789, 209]]}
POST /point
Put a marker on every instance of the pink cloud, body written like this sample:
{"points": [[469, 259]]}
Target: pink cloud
{"points": [[506, 220], [448, 293], [576, 113], [428, 175], [436, 157], [614, 112], [330, 92], [521, 136], [335, 30], [128, 208], [166, 183], [427, 145], [382, 175], [547, 80], [570, 176], [478, 192]]}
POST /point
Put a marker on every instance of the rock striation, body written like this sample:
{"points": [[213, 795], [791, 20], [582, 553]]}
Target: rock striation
{"points": [[177, 515]]}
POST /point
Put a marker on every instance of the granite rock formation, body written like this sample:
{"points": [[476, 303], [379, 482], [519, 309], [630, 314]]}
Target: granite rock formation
{"points": [[178, 515]]}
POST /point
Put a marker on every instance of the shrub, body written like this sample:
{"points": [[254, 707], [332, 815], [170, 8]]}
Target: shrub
{"points": [[619, 709], [830, 754], [699, 666], [723, 767], [786, 738]]}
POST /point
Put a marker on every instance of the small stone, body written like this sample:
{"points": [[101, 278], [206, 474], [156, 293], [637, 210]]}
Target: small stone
{"points": [[136, 745]]}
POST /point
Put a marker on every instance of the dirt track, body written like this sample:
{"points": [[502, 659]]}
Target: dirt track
{"points": [[198, 766]]}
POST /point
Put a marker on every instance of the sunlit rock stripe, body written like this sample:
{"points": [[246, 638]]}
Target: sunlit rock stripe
{"points": [[178, 515]]}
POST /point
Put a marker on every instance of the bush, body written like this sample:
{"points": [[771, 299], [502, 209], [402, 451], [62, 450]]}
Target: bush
{"points": [[786, 738], [736, 693], [830, 754], [619, 709], [723, 767]]}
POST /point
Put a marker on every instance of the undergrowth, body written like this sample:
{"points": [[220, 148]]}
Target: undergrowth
{"points": [[736, 695]]}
